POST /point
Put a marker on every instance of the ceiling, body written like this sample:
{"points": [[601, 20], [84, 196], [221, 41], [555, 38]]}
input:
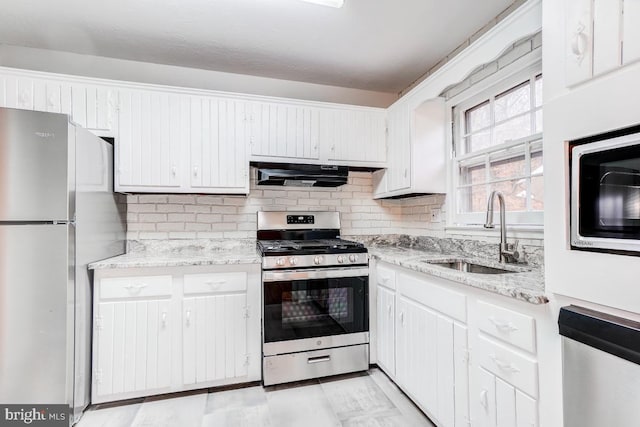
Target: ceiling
{"points": [[379, 45]]}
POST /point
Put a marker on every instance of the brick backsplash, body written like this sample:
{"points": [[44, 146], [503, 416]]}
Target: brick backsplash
{"points": [[191, 216]]}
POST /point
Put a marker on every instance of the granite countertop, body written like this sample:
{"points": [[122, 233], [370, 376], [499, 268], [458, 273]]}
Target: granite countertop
{"points": [[178, 253], [525, 283]]}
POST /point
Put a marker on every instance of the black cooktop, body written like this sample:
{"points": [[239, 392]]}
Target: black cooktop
{"points": [[309, 247]]}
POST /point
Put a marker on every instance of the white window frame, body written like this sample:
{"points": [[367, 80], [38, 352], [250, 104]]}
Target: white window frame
{"points": [[530, 223]]}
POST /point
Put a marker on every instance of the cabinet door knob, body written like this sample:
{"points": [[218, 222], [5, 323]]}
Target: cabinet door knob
{"points": [[174, 171], [196, 171], [23, 99], [188, 317], [402, 318], [389, 310]]}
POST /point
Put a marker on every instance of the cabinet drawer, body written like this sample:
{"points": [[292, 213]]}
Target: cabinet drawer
{"points": [[386, 277], [426, 291], [517, 370], [509, 326], [135, 287], [215, 283]]}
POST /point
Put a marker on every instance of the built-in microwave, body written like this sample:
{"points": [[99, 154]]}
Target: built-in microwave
{"points": [[605, 192]]}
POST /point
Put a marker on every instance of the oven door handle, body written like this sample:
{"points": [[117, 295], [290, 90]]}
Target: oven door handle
{"points": [[323, 273]]}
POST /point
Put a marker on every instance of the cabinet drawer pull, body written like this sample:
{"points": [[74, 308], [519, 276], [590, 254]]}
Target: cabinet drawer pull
{"points": [[319, 359], [385, 279], [502, 325], [504, 366], [214, 284], [135, 288]]}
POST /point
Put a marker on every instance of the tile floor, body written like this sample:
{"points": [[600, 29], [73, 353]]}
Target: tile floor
{"points": [[365, 399]]}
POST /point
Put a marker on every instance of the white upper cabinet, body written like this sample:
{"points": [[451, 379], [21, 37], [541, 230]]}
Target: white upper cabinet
{"points": [[16, 92], [354, 136], [600, 36], [281, 130], [288, 132], [579, 41], [398, 173], [630, 20], [607, 17], [416, 155], [153, 130], [92, 106], [193, 141], [53, 96], [219, 139]]}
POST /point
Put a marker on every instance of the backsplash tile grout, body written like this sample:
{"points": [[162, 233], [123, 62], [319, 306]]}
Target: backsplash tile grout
{"points": [[159, 216]]}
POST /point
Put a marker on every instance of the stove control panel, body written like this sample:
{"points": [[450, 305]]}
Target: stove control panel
{"points": [[301, 261], [300, 219]]}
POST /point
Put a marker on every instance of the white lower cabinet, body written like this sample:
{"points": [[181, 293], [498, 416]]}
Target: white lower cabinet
{"points": [[385, 316], [464, 357], [502, 405], [215, 317], [173, 329], [133, 343], [422, 344]]}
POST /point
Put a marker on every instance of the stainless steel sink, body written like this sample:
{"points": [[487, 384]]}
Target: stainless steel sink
{"points": [[469, 267]]}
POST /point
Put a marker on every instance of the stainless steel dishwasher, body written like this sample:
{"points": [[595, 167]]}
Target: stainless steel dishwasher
{"points": [[601, 368]]}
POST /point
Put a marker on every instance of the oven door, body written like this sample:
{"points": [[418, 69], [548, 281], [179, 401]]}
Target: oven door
{"points": [[605, 195], [304, 305]]}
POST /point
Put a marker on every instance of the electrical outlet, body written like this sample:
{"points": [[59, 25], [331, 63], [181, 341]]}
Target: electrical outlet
{"points": [[435, 215]]}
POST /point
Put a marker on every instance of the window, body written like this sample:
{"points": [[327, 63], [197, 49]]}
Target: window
{"points": [[498, 146]]}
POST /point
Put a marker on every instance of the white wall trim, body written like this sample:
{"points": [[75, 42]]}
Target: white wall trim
{"points": [[523, 22]]}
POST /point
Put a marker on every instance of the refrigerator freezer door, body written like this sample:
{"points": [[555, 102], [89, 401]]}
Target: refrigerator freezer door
{"points": [[35, 158], [36, 314]]}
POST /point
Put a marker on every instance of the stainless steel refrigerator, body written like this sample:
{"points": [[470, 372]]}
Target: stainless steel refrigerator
{"points": [[58, 213]]}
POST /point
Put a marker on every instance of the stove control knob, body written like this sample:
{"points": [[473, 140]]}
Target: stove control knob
{"points": [[280, 261], [353, 258], [340, 259], [293, 260], [318, 260]]}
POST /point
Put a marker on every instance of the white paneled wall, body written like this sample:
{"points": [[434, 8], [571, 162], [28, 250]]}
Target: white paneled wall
{"points": [[199, 216]]}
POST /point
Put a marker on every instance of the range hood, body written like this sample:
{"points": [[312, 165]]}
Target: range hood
{"points": [[298, 175]]}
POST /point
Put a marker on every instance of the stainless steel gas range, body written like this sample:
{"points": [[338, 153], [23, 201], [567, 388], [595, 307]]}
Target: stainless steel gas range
{"points": [[315, 297]]}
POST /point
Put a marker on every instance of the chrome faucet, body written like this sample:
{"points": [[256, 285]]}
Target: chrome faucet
{"points": [[508, 251]]}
